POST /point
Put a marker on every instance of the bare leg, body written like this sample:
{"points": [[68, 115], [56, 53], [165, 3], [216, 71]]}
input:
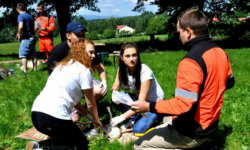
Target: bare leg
{"points": [[24, 61], [34, 61]]}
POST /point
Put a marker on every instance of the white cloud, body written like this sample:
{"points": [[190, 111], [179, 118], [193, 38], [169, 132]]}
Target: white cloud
{"points": [[134, 1], [108, 5], [116, 10]]}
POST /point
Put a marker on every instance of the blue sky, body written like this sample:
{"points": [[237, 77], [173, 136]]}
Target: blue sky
{"points": [[117, 8], [112, 7]]}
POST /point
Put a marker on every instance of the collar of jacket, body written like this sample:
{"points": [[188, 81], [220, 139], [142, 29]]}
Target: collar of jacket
{"points": [[196, 40], [44, 14]]}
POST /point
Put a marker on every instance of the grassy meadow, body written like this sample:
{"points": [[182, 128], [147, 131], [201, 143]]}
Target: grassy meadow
{"points": [[17, 94]]}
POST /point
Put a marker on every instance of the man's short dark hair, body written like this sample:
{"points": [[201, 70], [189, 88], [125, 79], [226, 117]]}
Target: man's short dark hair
{"points": [[194, 19], [40, 4], [21, 7]]}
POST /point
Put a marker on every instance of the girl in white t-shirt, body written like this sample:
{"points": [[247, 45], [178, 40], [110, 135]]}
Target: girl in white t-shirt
{"points": [[99, 87], [138, 77], [70, 80]]}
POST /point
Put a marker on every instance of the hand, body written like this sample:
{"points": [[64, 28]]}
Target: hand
{"points": [[114, 88], [44, 29], [97, 123], [116, 120], [104, 85], [140, 106], [89, 117], [18, 36]]}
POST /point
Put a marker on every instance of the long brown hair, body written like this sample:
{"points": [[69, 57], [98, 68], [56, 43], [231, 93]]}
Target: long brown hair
{"points": [[77, 53], [123, 75]]}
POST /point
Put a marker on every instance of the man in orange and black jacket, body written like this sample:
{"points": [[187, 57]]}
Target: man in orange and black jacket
{"points": [[47, 24], [203, 76]]}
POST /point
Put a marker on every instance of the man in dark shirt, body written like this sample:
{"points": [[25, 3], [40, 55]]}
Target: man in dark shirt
{"points": [[26, 36], [75, 31]]}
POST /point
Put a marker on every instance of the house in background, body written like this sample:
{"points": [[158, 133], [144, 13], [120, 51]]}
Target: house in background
{"points": [[120, 28]]}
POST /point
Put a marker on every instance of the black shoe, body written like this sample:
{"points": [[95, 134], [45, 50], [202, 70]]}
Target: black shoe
{"points": [[24, 73]]}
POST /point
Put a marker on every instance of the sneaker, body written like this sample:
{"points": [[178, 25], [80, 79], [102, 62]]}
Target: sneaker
{"points": [[31, 145], [127, 126], [24, 73]]}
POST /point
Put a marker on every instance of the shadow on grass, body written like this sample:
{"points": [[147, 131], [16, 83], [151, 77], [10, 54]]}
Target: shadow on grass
{"points": [[219, 137]]}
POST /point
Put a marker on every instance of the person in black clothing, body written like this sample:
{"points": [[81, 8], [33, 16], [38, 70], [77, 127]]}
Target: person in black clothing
{"points": [[75, 31]]}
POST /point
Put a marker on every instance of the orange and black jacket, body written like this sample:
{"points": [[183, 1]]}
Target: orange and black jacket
{"points": [[203, 76], [46, 21]]}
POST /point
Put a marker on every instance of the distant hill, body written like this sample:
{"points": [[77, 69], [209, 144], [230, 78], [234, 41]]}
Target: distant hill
{"points": [[92, 17]]}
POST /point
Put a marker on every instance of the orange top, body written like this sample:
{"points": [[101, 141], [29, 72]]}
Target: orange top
{"points": [[200, 85], [47, 22]]}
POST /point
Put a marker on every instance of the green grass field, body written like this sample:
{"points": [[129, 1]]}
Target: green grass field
{"points": [[17, 94], [9, 51]]}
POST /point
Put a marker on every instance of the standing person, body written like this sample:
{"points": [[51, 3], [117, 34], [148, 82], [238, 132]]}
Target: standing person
{"points": [[47, 24], [138, 77], [203, 76], [70, 80], [27, 37]]}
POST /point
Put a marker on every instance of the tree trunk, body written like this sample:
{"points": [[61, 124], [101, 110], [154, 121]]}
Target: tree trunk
{"points": [[62, 10], [152, 37]]}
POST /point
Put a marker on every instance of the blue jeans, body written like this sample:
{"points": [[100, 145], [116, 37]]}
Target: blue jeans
{"points": [[27, 48], [141, 124]]}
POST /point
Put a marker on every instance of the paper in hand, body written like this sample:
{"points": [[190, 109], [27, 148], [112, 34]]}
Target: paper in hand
{"points": [[37, 24], [124, 98]]}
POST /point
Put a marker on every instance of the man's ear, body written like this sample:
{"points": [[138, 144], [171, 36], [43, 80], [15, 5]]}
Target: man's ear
{"points": [[68, 35], [189, 33]]}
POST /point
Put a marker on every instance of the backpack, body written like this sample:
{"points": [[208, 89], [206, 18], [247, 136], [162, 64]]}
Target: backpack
{"points": [[3, 73]]}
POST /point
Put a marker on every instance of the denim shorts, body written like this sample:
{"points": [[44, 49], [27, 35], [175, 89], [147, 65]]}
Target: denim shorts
{"points": [[27, 48]]}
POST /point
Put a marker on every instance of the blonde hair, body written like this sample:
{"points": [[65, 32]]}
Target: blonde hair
{"points": [[77, 53]]}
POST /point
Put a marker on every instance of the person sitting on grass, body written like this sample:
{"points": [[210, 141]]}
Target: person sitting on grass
{"points": [[99, 88], [138, 77], [69, 81]]}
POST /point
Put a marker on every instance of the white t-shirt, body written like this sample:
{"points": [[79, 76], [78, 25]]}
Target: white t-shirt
{"points": [[155, 92], [63, 90]]}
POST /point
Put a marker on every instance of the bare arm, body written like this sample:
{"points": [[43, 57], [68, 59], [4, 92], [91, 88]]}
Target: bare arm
{"points": [[101, 71], [116, 85], [20, 31], [80, 109], [91, 103]]}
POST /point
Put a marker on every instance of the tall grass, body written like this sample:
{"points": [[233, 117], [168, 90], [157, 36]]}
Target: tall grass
{"points": [[17, 94]]}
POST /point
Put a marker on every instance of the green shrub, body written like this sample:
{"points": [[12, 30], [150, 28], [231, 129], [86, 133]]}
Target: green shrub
{"points": [[93, 35], [109, 33], [8, 34], [125, 34]]}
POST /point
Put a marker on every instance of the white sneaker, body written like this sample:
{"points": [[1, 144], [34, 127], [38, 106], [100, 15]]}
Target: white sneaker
{"points": [[32, 145]]}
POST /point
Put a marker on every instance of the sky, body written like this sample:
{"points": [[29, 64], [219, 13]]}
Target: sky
{"points": [[112, 8], [117, 7]]}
